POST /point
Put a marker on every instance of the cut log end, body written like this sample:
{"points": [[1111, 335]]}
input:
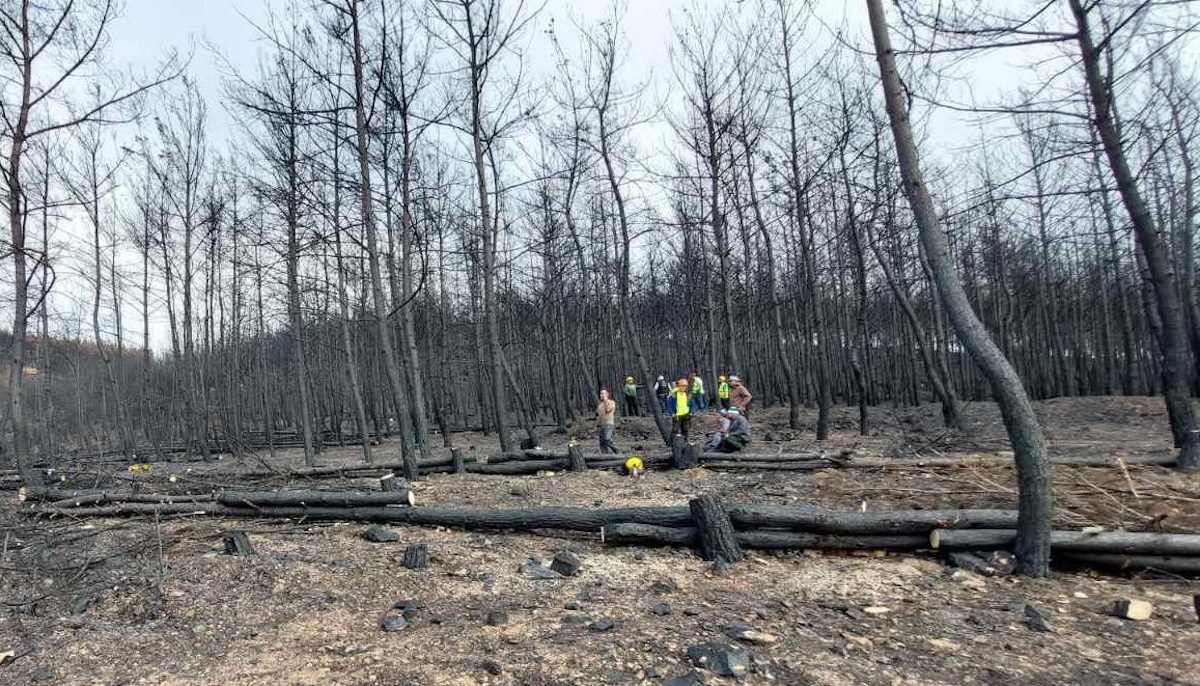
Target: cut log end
{"points": [[391, 483]]}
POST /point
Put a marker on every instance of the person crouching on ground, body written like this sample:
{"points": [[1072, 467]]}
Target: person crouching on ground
{"points": [[681, 411], [606, 421], [722, 430], [738, 435]]}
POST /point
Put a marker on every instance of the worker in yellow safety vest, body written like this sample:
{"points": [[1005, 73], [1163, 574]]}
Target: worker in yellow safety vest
{"points": [[681, 416], [699, 400], [722, 392]]}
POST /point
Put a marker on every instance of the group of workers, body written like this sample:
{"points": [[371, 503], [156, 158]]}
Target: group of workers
{"points": [[681, 401]]}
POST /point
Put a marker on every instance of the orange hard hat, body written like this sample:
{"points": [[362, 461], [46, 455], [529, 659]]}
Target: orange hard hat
{"points": [[682, 383]]}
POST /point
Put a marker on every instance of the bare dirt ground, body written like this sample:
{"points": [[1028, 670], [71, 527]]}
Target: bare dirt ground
{"points": [[139, 602]]}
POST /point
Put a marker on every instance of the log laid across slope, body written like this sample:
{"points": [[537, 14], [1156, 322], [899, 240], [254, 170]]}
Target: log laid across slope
{"points": [[348, 505], [1113, 542], [1161, 563], [316, 498], [647, 534], [76, 499], [816, 519], [563, 518], [756, 525]]}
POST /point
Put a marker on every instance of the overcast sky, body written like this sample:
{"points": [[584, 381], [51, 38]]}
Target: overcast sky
{"points": [[218, 31], [149, 29]]}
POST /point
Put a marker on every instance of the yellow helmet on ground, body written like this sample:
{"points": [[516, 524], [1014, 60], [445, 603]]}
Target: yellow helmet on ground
{"points": [[633, 463]]}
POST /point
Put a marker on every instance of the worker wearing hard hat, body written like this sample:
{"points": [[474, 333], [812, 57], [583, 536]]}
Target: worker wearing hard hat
{"points": [[681, 411], [631, 403], [739, 396]]}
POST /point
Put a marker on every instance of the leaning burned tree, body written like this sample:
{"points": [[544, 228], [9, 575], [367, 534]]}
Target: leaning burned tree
{"points": [[1033, 470]]}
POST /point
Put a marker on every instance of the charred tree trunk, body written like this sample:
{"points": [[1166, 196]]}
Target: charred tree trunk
{"points": [[1033, 471], [1175, 353]]}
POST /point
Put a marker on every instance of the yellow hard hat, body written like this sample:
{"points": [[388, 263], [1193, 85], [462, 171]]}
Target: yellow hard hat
{"points": [[721, 378], [629, 379], [633, 463]]}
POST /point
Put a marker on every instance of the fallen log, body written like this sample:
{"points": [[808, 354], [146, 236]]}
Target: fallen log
{"points": [[813, 456], [518, 466], [68, 498], [634, 533], [260, 499], [816, 519], [61, 498], [665, 456], [1161, 563], [675, 526], [1120, 542], [845, 458], [727, 464], [349, 470], [564, 518], [807, 518], [797, 540], [625, 533]]}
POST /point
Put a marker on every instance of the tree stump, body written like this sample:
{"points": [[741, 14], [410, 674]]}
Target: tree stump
{"points": [[416, 556], [718, 541], [578, 464], [456, 457], [691, 456], [679, 456], [238, 543]]}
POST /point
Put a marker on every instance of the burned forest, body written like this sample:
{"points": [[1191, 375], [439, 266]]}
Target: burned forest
{"points": [[514, 342]]}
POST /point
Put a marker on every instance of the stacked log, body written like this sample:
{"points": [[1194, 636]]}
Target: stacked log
{"points": [[649, 535], [681, 455], [719, 532], [1177, 553], [122, 502]]}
